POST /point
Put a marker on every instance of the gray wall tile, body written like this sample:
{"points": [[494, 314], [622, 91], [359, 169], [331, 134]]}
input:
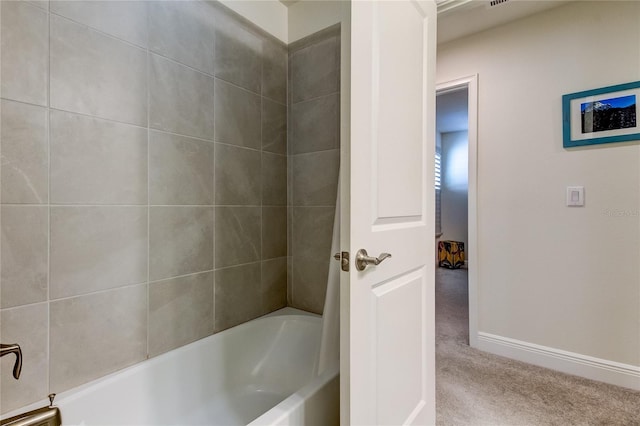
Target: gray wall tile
{"points": [[274, 232], [237, 295], [27, 325], [315, 125], [95, 74], [180, 169], [237, 175], [126, 20], [180, 241], [25, 52], [237, 235], [314, 160], [95, 161], [315, 178], [289, 281], [84, 346], [274, 179], [109, 169], [24, 250], [274, 71], [180, 99], [309, 283], [97, 248], [312, 232], [183, 31], [274, 284], [238, 53], [25, 154], [315, 70], [180, 311], [274, 127], [237, 116], [43, 4]]}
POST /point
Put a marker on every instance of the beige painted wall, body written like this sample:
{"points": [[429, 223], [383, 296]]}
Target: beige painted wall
{"points": [[566, 278]]}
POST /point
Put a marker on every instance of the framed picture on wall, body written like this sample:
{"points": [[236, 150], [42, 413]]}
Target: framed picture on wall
{"points": [[604, 115]]}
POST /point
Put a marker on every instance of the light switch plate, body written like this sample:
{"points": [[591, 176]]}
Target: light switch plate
{"points": [[575, 196]]}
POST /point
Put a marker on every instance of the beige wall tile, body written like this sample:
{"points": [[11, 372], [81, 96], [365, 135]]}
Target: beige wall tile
{"points": [[27, 326], [85, 346], [24, 251], [25, 52], [126, 20], [180, 311], [97, 248], [180, 241], [184, 32], [94, 74], [96, 161], [236, 295], [25, 154], [180, 169], [180, 99]]}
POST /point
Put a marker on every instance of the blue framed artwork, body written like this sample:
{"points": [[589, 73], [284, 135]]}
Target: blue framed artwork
{"points": [[604, 115]]}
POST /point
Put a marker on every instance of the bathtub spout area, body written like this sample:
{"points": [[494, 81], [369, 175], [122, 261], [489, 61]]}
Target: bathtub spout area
{"points": [[45, 416]]}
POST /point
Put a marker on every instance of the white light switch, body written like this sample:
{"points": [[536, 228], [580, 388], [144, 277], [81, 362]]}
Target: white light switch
{"points": [[575, 196]]}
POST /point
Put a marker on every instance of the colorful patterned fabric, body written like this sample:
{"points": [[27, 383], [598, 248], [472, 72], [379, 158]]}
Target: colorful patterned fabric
{"points": [[451, 254]]}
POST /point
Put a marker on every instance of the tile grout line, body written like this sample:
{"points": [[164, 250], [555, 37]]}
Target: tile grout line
{"points": [[49, 369], [261, 284], [148, 70], [213, 166]]}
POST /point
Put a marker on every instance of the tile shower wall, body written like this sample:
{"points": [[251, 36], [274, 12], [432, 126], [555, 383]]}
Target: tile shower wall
{"points": [[314, 161], [143, 184]]}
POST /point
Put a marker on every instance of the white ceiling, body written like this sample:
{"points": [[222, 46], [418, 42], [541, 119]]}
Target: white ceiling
{"points": [[459, 18]]}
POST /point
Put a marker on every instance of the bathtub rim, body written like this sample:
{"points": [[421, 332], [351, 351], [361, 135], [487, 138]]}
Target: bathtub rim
{"points": [[74, 393], [280, 412]]}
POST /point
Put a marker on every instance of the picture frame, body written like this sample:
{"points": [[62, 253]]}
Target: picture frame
{"points": [[599, 116]]}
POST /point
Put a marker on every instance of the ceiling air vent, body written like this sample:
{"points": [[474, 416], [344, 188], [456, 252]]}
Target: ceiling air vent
{"points": [[493, 3]]}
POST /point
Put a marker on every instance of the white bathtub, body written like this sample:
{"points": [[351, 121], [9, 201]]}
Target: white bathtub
{"points": [[258, 373]]}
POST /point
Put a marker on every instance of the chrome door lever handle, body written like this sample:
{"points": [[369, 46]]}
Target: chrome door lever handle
{"points": [[363, 259]]}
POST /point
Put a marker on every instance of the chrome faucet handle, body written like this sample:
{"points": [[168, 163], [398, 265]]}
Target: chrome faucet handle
{"points": [[13, 349]]}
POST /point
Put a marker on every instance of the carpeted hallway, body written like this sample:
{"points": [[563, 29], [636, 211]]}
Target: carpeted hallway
{"points": [[476, 388]]}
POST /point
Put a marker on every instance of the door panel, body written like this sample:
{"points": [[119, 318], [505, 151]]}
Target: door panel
{"points": [[400, 342], [388, 342]]}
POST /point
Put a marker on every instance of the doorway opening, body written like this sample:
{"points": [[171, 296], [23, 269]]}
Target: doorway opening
{"points": [[456, 181]]}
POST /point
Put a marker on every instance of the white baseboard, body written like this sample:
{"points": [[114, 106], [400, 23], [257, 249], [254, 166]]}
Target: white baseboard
{"points": [[602, 370]]}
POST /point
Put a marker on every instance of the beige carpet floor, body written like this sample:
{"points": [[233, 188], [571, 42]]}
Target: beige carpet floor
{"points": [[477, 388]]}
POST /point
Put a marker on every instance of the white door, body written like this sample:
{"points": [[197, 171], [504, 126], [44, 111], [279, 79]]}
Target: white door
{"points": [[388, 330]]}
